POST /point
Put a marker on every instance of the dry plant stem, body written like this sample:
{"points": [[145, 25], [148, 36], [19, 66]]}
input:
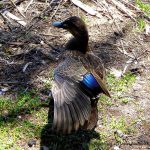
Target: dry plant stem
{"points": [[130, 5], [16, 43], [17, 8], [44, 34], [85, 7], [31, 1], [136, 8], [124, 51], [122, 8], [105, 6], [10, 15], [39, 17], [5, 18], [26, 66], [13, 82], [56, 10], [128, 63], [7, 62]]}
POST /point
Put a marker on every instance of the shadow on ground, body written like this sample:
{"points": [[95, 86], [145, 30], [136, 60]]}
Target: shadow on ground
{"points": [[55, 141]]}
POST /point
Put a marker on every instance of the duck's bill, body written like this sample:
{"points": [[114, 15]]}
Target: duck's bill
{"points": [[58, 24]]}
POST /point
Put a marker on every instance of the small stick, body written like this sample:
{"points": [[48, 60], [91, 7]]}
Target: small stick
{"points": [[13, 82], [105, 5], [49, 34], [17, 8], [125, 52], [122, 7], [7, 13], [85, 7], [25, 67], [56, 10], [31, 1], [7, 62], [136, 8], [128, 63], [5, 17]]}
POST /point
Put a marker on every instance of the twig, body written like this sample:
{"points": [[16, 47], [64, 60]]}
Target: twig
{"points": [[31, 1], [7, 62], [128, 63], [128, 4], [49, 34], [106, 7], [5, 17], [122, 8], [85, 7], [125, 52], [56, 10], [16, 43], [136, 8], [17, 2], [38, 18], [7, 13], [14, 82], [25, 67], [17, 8]]}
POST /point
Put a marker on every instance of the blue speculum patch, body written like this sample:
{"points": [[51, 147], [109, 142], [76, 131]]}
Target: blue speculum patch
{"points": [[90, 81]]}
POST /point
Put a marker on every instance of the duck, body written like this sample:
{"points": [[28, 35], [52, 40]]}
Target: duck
{"points": [[79, 81]]}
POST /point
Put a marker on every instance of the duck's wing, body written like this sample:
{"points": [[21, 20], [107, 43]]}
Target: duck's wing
{"points": [[95, 65], [71, 106]]}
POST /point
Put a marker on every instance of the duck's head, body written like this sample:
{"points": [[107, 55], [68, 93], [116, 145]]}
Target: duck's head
{"points": [[78, 29]]}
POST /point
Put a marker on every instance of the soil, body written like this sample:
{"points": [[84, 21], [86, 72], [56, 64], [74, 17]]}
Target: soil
{"points": [[29, 54]]}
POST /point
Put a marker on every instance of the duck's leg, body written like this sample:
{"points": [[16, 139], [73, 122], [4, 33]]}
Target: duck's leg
{"points": [[92, 122]]}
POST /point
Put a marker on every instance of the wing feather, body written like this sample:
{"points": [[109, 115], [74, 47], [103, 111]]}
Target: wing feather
{"points": [[71, 105], [75, 120], [68, 120], [95, 65]]}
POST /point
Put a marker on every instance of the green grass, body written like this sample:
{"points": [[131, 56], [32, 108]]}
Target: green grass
{"points": [[113, 125], [23, 103], [144, 7], [110, 123], [125, 100], [118, 87], [23, 118], [121, 84], [141, 22], [140, 25], [101, 144]]}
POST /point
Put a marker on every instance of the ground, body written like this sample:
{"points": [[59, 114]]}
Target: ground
{"points": [[29, 54]]}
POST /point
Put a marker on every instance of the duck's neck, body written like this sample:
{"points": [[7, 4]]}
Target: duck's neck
{"points": [[78, 43]]}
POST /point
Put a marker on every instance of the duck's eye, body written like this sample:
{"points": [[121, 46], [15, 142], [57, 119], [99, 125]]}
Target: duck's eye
{"points": [[65, 25]]}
